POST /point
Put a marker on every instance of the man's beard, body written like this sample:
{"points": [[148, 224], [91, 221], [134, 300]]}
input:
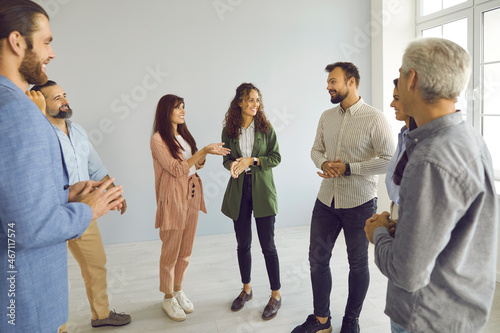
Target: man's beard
{"points": [[339, 97], [62, 114], [31, 69]]}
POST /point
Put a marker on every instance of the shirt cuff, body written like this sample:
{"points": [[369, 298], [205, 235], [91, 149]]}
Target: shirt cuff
{"points": [[320, 162], [355, 168]]}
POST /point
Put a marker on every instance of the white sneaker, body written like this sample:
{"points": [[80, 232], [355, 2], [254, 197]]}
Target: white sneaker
{"points": [[183, 301], [173, 309]]}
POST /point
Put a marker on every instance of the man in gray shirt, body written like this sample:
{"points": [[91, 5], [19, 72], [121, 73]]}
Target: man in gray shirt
{"points": [[441, 261]]}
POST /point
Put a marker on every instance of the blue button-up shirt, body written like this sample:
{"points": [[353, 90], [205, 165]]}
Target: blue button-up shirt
{"points": [[392, 188], [80, 157]]}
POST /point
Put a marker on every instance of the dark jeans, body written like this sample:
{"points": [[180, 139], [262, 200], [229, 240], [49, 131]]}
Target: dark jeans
{"points": [[265, 231], [326, 224]]}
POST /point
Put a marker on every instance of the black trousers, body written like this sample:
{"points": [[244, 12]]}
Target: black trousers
{"points": [[265, 231]]}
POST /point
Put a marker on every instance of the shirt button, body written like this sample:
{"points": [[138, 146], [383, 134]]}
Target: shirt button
{"points": [[66, 187], [192, 196], [193, 185], [193, 191]]}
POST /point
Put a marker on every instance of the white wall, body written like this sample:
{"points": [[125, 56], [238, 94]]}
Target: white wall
{"points": [[393, 27], [116, 58]]}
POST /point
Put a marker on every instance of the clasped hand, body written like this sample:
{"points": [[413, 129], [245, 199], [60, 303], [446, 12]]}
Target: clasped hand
{"points": [[240, 165], [380, 220], [332, 169], [96, 195]]}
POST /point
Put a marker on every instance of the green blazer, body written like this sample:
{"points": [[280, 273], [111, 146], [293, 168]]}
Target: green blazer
{"points": [[265, 199]]}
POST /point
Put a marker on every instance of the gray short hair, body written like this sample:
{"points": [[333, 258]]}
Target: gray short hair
{"points": [[442, 66]]}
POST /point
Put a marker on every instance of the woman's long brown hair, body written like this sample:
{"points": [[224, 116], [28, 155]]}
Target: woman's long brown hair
{"points": [[233, 118], [163, 125]]}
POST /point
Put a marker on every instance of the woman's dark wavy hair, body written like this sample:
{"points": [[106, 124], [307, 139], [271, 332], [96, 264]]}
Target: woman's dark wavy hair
{"points": [[163, 125], [397, 176], [233, 118]]}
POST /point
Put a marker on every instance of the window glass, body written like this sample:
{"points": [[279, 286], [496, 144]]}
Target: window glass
{"points": [[491, 38], [456, 31], [433, 32], [491, 136], [491, 90], [451, 3], [431, 6]]}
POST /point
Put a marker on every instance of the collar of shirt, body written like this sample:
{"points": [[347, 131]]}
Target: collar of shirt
{"points": [[421, 133], [353, 108], [68, 124], [251, 126]]}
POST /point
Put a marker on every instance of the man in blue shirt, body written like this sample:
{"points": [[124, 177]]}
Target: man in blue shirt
{"points": [[36, 218], [83, 163]]}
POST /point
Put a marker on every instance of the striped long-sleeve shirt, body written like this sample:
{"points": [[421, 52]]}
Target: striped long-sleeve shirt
{"points": [[360, 136]]}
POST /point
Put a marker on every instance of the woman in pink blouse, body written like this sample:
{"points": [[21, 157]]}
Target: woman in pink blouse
{"points": [[179, 198]]}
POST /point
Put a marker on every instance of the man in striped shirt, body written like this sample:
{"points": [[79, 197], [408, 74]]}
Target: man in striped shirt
{"points": [[353, 145]]}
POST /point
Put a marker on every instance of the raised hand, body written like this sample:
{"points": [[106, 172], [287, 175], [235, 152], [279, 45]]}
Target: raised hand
{"points": [[216, 149], [37, 98]]}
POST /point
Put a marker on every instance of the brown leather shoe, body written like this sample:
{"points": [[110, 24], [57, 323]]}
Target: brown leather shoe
{"points": [[114, 319], [271, 309], [240, 301]]}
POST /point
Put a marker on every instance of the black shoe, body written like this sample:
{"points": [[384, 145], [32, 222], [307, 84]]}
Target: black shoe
{"points": [[114, 319], [271, 309], [240, 301], [350, 325], [312, 325]]}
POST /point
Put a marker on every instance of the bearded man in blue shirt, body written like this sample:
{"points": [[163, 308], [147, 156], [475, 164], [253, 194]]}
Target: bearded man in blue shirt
{"points": [[83, 163]]}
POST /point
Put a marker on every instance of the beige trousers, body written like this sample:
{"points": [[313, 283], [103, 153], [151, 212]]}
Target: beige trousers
{"points": [[88, 251]]}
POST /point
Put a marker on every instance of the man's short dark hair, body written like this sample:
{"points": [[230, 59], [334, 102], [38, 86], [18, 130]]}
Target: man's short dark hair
{"points": [[19, 15], [350, 70], [39, 87]]}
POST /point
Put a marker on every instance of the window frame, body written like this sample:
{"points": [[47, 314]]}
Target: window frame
{"points": [[472, 10], [443, 12]]}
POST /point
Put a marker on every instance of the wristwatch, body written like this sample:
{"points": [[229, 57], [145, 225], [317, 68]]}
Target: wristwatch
{"points": [[255, 161], [347, 170]]}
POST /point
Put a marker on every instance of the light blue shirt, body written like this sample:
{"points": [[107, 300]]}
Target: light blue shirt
{"points": [[81, 159], [393, 189]]}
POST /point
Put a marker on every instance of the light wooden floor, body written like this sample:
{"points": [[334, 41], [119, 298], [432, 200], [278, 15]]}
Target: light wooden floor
{"points": [[212, 282]]}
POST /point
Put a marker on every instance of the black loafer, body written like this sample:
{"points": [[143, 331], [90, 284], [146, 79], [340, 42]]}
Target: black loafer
{"points": [[240, 301], [271, 309]]}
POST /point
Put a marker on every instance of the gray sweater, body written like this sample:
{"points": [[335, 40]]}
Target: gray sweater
{"points": [[441, 263]]}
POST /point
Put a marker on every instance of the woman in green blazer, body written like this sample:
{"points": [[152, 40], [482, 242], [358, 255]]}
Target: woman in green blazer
{"points": [[254, 152]]}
